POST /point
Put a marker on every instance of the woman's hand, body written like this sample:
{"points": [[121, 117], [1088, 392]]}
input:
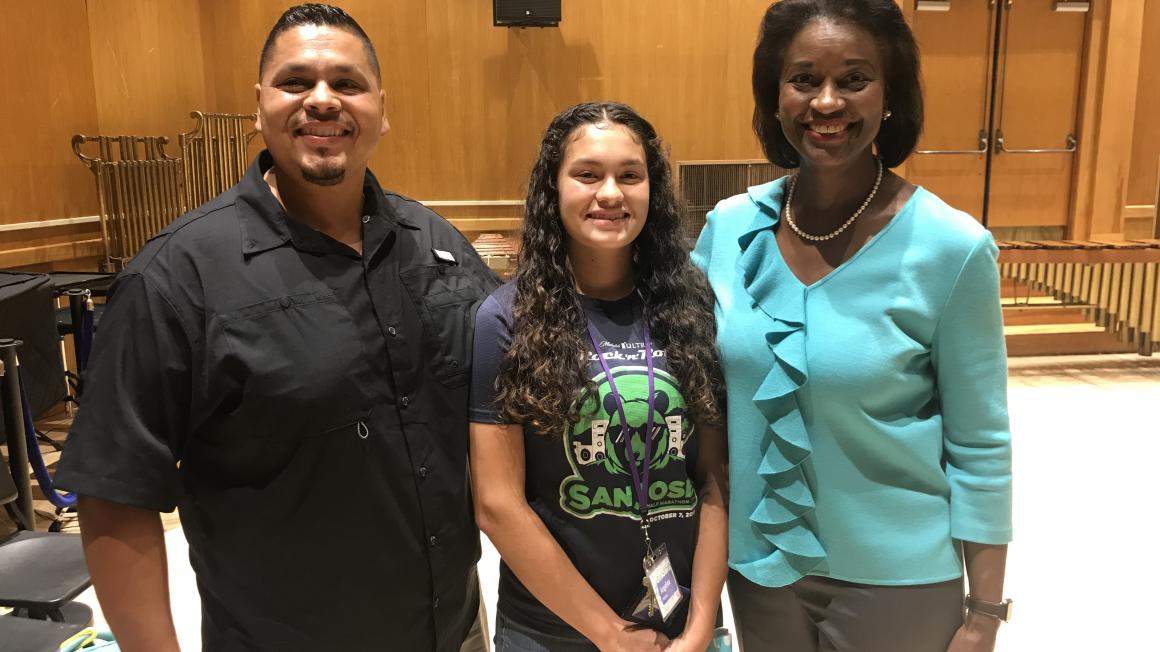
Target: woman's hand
{"points": [[627, 637], [977, 634]]}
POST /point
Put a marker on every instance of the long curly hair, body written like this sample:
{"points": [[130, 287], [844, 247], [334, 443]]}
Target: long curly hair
{"points": [[544, 376]]}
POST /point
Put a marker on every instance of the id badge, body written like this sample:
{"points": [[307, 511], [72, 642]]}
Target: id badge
{"points": [[663, 582], [644, 609]]}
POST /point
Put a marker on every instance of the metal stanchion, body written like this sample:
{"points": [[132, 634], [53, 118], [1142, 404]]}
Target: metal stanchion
{"points": [[80, 305], [14, 429]]}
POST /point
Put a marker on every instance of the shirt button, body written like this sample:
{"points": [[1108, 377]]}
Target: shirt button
{"points": [[284, 302], [422, 471], [404, 402], [392, 330], [435, 602], [366, 218], [433, 540]]}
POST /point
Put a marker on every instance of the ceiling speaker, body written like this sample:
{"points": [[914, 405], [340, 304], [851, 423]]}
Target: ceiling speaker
{"points": [[526, 13]]}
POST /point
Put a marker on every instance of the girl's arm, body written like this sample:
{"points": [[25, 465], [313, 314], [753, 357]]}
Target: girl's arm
{"points": [[710, 562], [530, 550]]}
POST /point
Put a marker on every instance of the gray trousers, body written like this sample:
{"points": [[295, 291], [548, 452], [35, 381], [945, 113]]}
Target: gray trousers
{"points": [[818, 614]]}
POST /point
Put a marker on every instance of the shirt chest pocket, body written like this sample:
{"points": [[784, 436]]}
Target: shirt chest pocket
{"points": [[445, 297], [297, 360]]}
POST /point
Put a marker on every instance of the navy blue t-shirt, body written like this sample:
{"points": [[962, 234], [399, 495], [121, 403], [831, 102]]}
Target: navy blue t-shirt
{"points": [[577, 481]]}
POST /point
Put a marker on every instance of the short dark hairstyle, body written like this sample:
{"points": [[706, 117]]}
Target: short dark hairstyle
{"points": [[883, 20], [317, 14]]}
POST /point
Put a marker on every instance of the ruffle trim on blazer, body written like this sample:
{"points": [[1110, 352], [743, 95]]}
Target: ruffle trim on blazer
{"points": [[780, 515]]}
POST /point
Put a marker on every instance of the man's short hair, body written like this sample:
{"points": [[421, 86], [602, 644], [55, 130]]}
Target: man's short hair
{"points": [[317, 14]]}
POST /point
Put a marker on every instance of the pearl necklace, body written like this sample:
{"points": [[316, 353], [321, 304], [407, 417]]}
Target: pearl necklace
{"points": [[832, 234]]}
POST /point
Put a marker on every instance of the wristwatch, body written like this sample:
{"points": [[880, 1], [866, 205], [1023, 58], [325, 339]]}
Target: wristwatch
{"points": [[1000, 610]]}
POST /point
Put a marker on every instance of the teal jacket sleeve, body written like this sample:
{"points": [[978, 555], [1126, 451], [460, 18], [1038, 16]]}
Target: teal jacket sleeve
{"points": [[970, 362]]}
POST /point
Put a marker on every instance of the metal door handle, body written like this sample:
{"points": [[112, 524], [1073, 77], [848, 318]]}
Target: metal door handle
{"points": [[1001, 146], [983, 147]]}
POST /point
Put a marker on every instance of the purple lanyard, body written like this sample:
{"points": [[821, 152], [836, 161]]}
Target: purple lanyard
{"points": [[639, 478]]}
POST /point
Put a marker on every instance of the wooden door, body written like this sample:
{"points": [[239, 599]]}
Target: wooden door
{"points": [[956, 48], [1036, 109]]}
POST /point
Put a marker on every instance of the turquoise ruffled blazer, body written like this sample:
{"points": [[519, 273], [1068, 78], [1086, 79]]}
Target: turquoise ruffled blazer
{"points": [[868, 429]]}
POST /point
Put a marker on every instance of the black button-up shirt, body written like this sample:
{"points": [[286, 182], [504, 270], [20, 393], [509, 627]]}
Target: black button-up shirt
{"points": [[305, 407]]}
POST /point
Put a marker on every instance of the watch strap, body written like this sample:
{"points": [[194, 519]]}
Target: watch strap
{"points": [[999, 610]]}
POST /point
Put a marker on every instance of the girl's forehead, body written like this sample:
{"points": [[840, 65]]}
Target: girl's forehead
{"points": [[607, 144]]}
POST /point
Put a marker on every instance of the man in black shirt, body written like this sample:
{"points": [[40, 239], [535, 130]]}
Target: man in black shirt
{"points": [[288, 364]]}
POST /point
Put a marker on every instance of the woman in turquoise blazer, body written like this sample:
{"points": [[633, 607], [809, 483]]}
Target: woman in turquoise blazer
{"points": [[864, 358]]}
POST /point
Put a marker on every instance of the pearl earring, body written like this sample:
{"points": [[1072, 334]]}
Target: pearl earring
{"points": [[886, 114], [777, 116]]}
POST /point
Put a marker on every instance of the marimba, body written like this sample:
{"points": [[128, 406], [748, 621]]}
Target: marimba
{"points": [[1116, 283]]}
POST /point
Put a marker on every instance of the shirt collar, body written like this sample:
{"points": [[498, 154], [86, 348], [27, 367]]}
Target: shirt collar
{"points": [[265, 224]]}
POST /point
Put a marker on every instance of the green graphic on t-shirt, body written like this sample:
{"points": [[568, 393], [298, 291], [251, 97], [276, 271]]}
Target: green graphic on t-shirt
{"points": [[601, 482]]}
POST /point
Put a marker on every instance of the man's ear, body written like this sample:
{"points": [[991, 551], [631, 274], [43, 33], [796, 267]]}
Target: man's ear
{"points": [[386, 123], [258, 110]]}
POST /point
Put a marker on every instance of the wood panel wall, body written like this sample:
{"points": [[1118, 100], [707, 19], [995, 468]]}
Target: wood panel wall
{"points": [[147, 66], [1146, 141], [467, 101], [93, 67], [48, 96], [1111, 79]]}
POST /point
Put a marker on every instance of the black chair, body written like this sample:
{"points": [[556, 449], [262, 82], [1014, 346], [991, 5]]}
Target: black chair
{"points": [[40, 572]]}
